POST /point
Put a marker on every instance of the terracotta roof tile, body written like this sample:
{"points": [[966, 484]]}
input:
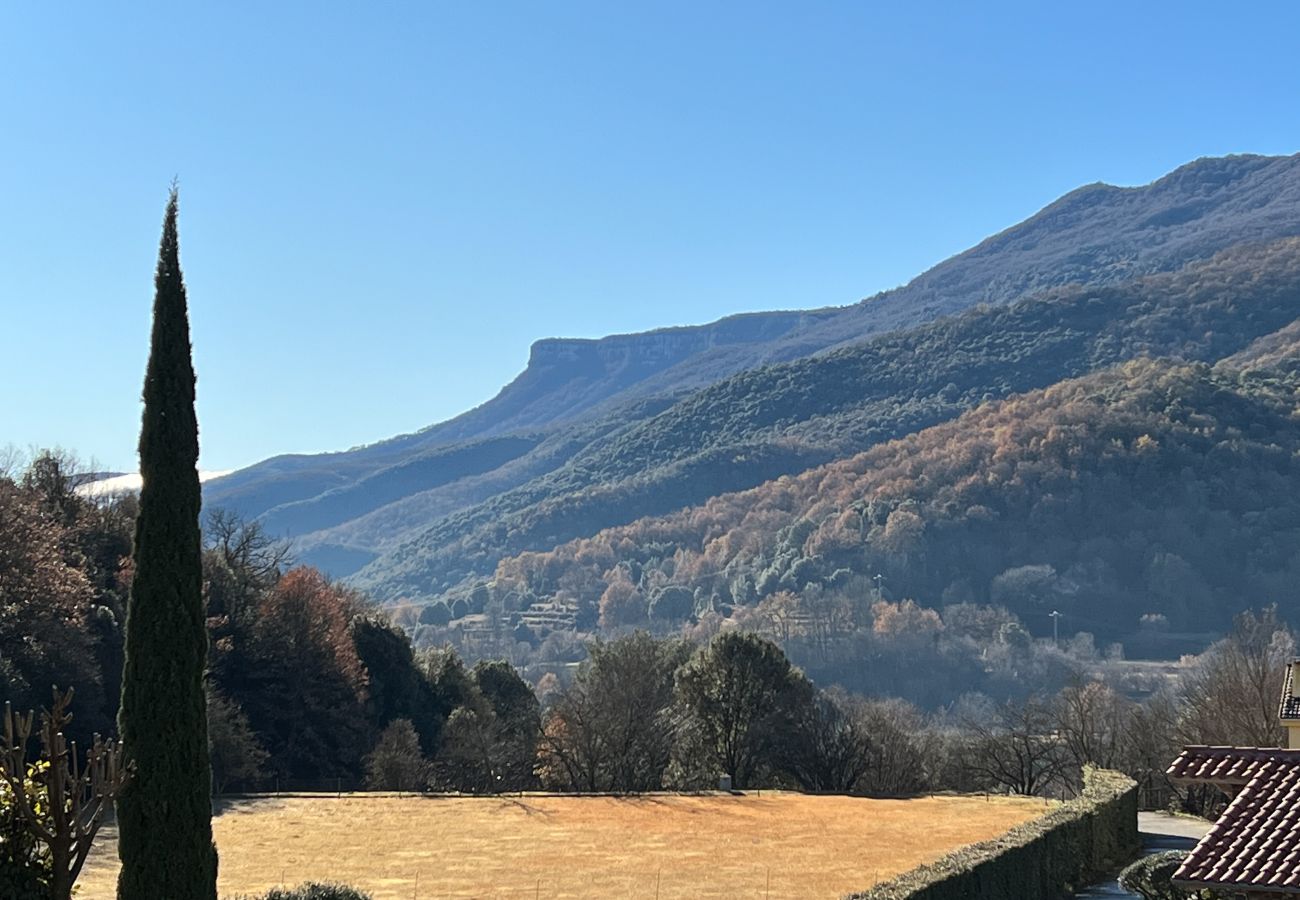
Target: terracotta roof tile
{"points": [[1224, 765], [1255, 844]]}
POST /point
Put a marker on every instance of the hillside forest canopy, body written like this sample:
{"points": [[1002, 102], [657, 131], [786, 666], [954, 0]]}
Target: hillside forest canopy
{"points": [[311, 686]]}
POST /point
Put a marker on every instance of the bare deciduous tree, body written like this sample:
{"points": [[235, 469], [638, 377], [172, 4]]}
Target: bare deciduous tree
{"points": [[1018, 749], [1092, 720], [1230, 696]]}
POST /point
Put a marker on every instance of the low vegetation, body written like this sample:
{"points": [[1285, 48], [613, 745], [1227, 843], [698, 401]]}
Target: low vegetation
{"points": [[677, 846]]}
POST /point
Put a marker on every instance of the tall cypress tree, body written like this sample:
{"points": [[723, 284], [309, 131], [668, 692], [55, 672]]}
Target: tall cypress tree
{"points": [[165, 814]]}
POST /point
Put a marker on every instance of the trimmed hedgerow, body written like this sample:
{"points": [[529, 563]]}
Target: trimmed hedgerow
{"points": [[1082, 840]]}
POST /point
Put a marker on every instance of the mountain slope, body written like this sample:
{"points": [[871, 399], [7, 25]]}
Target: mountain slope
{"points": [[588, 405], [785, 418], [565, 379], [1156, 489]]}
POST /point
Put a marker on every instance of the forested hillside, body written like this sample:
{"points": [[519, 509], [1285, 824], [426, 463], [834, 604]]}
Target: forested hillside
{"points": [[1155, 497], [582, 403], [782, 419]]}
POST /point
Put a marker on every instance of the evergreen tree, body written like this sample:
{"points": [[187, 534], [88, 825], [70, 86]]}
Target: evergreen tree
{"points": [[165, 815], [741, 697]]}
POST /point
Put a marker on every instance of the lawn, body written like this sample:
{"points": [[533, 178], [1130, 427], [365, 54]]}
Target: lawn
{"points": [[657, 846]]}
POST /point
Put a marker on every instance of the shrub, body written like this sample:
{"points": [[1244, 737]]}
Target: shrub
{"points": [[313, 891], [25, 864], [1151, 876]]}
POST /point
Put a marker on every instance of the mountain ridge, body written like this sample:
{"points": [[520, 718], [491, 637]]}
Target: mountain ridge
{"points": [[577, 390], [801, 413]]}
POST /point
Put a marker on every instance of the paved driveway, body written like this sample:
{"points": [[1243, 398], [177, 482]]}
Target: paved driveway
{"points": [[1160, 831]]}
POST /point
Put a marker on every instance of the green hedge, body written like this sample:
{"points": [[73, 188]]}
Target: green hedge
{"points": [[1079, 842]]}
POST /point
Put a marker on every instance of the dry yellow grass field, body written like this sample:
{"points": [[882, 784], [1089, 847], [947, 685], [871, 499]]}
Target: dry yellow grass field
{"points": [[665, 846]]}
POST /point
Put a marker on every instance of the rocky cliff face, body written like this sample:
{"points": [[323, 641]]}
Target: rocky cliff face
{"points": [[664, 347]]}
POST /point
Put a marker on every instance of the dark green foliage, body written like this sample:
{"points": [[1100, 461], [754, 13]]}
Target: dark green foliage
{"points": [[397, 687], [740, 695], [510, 697], [165, 814], [1072, 846], [522, 634], [490, 741], [672, 603], [396, 762], [314, 891], [437, 613], [459, 608], [829, 748], [26, 867], [451, 684], [479, 597], [238, 757]]}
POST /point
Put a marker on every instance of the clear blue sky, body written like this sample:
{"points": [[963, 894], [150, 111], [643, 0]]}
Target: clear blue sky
{"points": [[383, 204]]}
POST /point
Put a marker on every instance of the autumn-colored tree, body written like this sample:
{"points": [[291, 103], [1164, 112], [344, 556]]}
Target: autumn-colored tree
{"points": [[45, 602], [621, 604], [905, 621], [307, 693]]}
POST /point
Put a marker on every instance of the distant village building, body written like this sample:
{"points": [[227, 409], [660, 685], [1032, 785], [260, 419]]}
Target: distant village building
{"points": [[1254, 848]]}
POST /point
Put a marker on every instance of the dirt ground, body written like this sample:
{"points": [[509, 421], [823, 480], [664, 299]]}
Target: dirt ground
{"points": [[761, 845]]}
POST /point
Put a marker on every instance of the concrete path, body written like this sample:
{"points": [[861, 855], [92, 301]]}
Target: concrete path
{"points": [[1159, 831]]}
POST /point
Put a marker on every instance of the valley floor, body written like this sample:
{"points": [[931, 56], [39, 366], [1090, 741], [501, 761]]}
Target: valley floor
{"points": [[762, 845]]}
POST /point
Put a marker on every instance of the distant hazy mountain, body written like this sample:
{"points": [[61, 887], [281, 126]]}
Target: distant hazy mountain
{"points": [[600, 423]]}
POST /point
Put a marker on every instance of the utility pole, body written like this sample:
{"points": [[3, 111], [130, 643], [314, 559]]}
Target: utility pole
{"points": [[1056, 634]]}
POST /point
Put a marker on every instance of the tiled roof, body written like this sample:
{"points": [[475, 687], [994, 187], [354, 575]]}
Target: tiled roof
{"points": [[1255, 844], [1224, 765], [1290, 706]]}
